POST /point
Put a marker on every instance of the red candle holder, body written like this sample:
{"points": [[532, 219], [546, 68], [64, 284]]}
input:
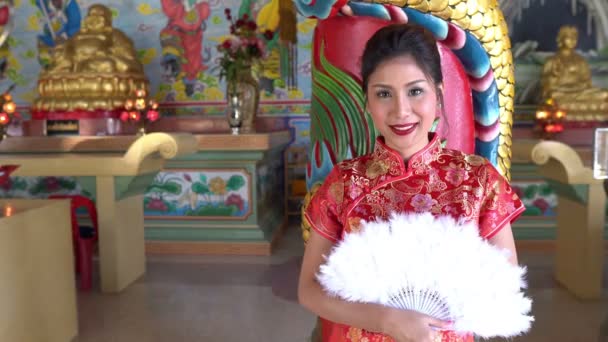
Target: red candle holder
{"points": [[549, 119], [140, 111], [8, 112]]}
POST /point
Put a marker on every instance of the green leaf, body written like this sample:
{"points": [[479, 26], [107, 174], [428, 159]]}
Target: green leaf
{"points": [[29, 54], [546, 190], [338, 111], [18, 183], [530, 191], [141, 54], [165, 87], [235, 182], [67, 183], [532, 211], [200, 188], [168, 187], [203, 178]]}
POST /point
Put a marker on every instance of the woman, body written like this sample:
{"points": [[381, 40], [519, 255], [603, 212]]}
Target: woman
{"points": [[408, 171]]}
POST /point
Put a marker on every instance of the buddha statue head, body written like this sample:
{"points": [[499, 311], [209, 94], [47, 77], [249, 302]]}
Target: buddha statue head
{"points": [[99, 19], [567, 38]]}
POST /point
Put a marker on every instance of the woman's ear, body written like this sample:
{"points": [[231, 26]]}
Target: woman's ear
{"points": [[440, 89]]}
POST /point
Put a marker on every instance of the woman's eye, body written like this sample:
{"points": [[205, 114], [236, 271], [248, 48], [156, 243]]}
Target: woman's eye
{"points": [[383, 93], [415, 91]]}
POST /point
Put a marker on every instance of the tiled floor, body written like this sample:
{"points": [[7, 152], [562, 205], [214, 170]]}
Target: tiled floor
{"points": [[234, 299]]}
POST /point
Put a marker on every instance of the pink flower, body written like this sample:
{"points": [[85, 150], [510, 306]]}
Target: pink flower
{"points": [[124, 116], [422, 202], [236, 200], [456, 175], [354, 192]]}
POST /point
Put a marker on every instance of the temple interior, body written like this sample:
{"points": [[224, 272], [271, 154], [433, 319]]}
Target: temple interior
{"points": [[157, 158]]}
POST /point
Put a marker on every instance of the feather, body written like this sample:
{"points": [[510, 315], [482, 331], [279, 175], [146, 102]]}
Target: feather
{"points": [[437, 266]]}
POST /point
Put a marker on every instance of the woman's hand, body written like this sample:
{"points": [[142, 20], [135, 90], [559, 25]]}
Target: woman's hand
{"points": [[412, 326]]}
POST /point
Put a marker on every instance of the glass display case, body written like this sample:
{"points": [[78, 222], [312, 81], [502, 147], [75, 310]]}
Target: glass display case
{"points": [[600, 153]]}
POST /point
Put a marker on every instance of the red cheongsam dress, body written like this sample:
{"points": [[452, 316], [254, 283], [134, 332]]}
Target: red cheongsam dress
{"points": [[435, 179]]}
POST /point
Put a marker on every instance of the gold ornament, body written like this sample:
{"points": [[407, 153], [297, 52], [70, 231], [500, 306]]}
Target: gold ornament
{"points": [[567, 79], [96, 69]]}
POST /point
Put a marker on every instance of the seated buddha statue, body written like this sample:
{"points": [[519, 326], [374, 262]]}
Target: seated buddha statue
{"points": [[96, 69], [566, 77], [97, 47]]}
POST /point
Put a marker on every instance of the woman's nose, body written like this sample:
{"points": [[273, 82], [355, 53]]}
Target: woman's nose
{"points": [[402, 106]]}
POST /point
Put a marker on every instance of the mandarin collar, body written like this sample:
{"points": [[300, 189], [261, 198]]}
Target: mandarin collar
{"points": [[418, 159]]}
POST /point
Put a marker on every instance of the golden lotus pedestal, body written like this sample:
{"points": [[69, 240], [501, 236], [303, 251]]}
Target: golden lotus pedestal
{"points": [[37, 281], [117, 180]]}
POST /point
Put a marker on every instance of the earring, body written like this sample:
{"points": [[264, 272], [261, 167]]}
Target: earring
{"points": [[435, 124]]}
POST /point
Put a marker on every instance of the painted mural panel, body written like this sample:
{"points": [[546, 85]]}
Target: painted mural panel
{"points": [[205, 194], [41, 187], [538, 197], [176, 41]]}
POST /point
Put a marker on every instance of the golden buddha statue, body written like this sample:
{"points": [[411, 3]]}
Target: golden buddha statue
{"points": [[566, 78], [96, 69]]}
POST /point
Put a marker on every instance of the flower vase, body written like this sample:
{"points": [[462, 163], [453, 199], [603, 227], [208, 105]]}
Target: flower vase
{"points": [[247, 89], [235, 113]]}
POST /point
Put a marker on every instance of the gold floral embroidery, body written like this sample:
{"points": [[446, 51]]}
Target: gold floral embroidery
{"points": [[359, 335], [474, 160], [376, 168], [336, 191]]}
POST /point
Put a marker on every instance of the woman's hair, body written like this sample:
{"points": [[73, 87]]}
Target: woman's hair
{"points": [[400, 40]]}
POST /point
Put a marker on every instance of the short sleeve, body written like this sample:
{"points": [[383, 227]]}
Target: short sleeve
{"points": [[323, 211], [500, 204]]}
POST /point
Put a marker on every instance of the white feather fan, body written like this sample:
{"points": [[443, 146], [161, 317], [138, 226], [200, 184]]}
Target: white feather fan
{"points": [[436, 266]]}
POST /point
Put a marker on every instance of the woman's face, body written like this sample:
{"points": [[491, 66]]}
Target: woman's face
{"points": [[403, 104]]}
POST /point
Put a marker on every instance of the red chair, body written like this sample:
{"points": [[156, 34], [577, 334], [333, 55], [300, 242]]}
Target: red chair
{"points": [[84, 238]]}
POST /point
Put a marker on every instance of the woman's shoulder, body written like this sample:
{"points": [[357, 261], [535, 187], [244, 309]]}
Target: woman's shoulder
{"points": [[467, 158], [352, 165], [478, 168]]}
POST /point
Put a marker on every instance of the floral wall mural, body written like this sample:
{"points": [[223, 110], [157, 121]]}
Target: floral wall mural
{"points": [[208, 194], [176, 41]]}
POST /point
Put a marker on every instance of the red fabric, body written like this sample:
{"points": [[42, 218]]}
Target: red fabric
{"points": [[436, 180], [345, 54]]}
